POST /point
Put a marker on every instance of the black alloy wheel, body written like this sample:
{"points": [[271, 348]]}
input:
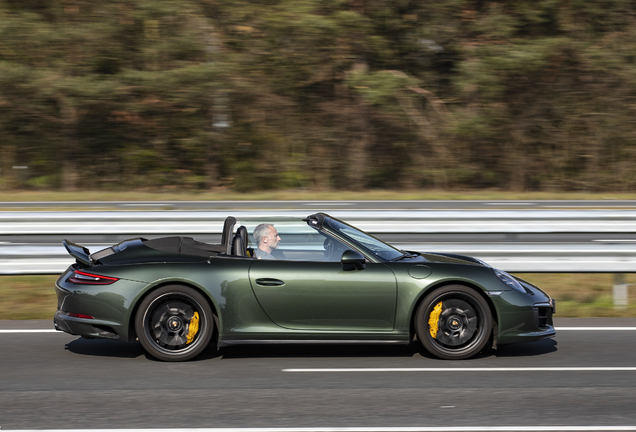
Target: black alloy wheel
{"points": [[453, 322], [174, 323]]}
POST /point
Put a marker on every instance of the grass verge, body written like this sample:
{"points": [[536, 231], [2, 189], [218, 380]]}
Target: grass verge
{"points": [[577, 295], [298, 194], [27, 297]]}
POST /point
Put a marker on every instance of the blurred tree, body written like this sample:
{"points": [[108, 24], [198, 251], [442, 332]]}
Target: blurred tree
{"points": [[539, 102], [86, 67], [259, 94]]}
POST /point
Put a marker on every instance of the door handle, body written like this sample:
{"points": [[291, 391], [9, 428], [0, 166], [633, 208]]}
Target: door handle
{"points": [[269, 282]]}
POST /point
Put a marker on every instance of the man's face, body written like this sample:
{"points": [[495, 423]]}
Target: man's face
{"points": [[273, 238]]}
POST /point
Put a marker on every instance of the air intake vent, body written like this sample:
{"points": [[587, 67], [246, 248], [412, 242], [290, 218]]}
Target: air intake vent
{"points": [[105, 331], [543, 315]]}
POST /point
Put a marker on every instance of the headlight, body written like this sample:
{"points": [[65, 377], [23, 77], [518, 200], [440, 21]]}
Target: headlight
{"points": [[509, 280]]}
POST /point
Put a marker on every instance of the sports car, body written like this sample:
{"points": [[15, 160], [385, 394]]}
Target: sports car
{"points": [[319, 280]]}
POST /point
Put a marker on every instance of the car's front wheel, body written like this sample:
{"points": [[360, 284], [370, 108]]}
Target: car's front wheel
{"points": [[174, 323], [453, 322]]}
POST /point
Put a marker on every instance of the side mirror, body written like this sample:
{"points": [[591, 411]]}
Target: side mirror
{"points": [[353, 260]]}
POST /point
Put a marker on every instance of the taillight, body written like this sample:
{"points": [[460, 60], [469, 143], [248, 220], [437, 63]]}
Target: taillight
{"points": [[83, 278], [78, 315]]}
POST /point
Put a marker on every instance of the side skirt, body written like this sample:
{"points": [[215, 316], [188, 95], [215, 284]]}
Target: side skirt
{"points": [[222, 343]]}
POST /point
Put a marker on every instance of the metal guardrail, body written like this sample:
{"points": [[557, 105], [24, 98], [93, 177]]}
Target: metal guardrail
{"points": [[376, 221], [610, 256], [511, 258]]}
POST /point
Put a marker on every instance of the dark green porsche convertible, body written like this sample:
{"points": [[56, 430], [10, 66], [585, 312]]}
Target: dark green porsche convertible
{"points": [[286, 280]]}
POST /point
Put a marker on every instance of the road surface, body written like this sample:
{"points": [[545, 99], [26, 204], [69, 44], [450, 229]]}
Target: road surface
{"points": [[586, 377]]}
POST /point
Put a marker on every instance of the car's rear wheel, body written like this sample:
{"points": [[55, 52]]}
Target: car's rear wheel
{"points": [[453, 322], [174, 323]]}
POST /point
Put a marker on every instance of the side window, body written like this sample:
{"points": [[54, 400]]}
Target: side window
{"points": [[298, 242], [292, 241], [314, 246]]}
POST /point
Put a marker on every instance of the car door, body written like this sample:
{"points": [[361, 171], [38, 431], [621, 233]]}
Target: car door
{"points": [[327, 296]]}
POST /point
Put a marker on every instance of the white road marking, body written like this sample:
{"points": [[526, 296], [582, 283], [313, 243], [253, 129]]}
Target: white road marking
{"points": [[31, 331], [476, 369], [368, 429], [595, 328], [556, 328]]}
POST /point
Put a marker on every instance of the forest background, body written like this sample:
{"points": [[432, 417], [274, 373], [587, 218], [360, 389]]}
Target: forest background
{"points": [[525, 95]]}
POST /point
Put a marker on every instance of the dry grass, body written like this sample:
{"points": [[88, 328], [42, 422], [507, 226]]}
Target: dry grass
{"points": [[577, 295], [27, 297], [296, 194], [584, 294]]}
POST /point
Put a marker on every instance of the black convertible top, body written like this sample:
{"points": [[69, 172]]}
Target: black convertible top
{"points": [[185, 246]]}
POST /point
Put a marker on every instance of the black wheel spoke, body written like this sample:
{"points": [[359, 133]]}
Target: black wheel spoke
{"points": [[157, 316], [164, 338], [470, 313], [443, 337], [173, 341], [157, 331], [452, 303], [464, 336], [188, 313], [472, 324]]}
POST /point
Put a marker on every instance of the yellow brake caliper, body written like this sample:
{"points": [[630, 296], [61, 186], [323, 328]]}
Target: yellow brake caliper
{"points": [[193, 327], [433, 320]]}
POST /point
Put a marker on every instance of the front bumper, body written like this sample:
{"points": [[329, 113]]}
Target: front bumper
{"points": [[525, 317]]}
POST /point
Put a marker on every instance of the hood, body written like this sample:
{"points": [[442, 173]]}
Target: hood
{"points": [[452, 259]]}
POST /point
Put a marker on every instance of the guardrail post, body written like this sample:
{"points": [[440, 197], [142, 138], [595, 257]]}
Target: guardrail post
{"points": [[621, 291]]}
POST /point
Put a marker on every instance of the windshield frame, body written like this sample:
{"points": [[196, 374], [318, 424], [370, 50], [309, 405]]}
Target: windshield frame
{"points": [[330, 225]]}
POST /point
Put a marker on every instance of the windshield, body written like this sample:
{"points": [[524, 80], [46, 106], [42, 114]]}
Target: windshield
{"points": [[377, 247]]}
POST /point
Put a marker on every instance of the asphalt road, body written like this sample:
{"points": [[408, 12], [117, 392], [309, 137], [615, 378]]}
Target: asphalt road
{"points": [[54, 381]]}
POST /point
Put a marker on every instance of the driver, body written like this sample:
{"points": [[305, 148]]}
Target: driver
{"points": [[267, 239]]}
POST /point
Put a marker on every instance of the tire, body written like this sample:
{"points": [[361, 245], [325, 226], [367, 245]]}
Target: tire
{"points": [[166, 323], [464, 322]]}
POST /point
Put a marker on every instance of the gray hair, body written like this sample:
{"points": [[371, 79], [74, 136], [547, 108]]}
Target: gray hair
{"points": [[261, 231]]}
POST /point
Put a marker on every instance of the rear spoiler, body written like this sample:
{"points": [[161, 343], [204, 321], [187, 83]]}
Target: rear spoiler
{"points": [[80, 253]]}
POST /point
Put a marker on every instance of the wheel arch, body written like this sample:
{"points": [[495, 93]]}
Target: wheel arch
{"points": [[132, 334], [442, 284]]}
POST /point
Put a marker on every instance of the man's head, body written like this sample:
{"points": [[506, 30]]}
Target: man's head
{"points": [[266, 237]]}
